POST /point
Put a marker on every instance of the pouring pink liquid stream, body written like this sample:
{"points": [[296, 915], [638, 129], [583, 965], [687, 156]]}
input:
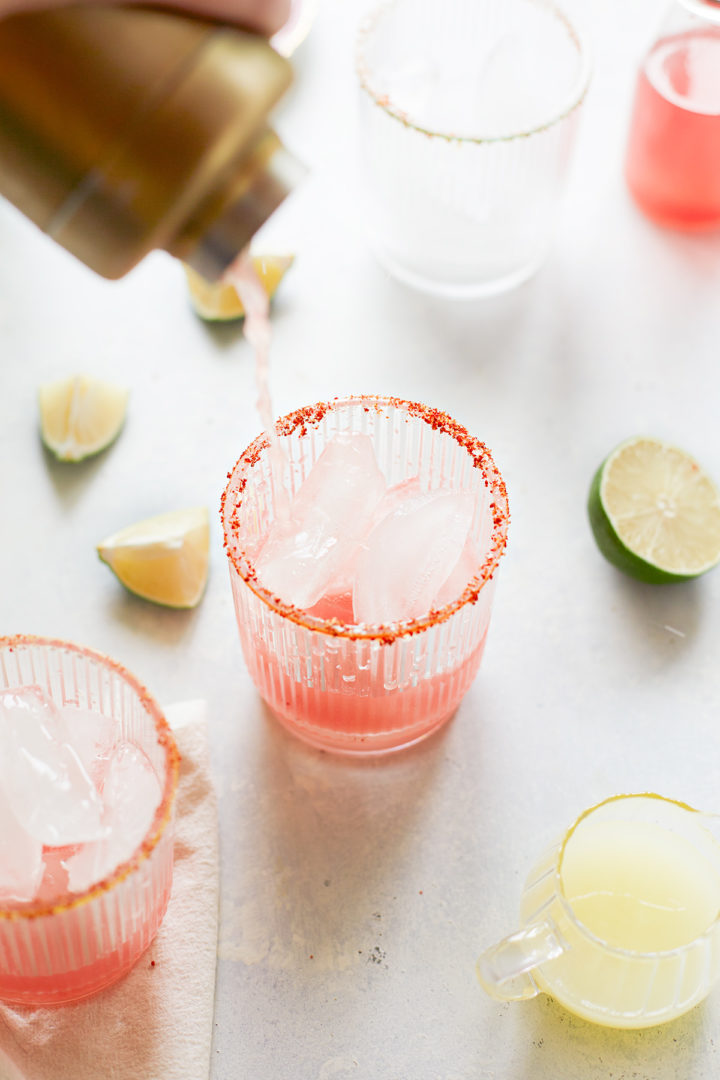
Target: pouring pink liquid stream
{"points": [[372, 501], [348, 547], [258, 334]]}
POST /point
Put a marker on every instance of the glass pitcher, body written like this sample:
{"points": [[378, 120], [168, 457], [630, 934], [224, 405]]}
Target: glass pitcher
{"points": [[620, 921], [673, 156]]}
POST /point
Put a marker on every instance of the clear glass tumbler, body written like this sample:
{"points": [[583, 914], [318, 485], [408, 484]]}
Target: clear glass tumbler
{"points": [[67, 947], [468, 112], [358, 688]]}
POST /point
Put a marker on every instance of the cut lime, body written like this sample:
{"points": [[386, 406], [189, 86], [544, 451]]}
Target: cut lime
{"points": [[217, 301], [80, 416], [655, 513], [163, 558]]}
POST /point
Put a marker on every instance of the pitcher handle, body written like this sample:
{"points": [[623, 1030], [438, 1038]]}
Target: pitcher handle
{"points": [[504, 970]]}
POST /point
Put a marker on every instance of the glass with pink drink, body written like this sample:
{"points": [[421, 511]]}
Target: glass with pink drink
{"points": [[88, 773], [673, 155], [363, 576]]}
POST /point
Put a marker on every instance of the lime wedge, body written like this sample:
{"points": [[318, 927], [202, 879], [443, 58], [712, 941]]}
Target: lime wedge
{"points": [[80, 416], [655, 513], [163, 558], [217, 301]]}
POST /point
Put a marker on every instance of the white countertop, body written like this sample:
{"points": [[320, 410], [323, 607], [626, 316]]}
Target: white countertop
{"points": [[357, 895]]}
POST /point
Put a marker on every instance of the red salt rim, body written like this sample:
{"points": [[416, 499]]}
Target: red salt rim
{"points": [[311, 416], [574, 99], [163, 814]]}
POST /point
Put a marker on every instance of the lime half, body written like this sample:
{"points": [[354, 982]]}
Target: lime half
{"points": [[655, 513]]}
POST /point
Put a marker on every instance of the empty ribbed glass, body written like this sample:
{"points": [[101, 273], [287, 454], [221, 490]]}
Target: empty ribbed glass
{"points": [[72, 945], [467, 118], [360, 688]]}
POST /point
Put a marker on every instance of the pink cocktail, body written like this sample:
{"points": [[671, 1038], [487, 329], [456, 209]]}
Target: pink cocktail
{"points": [[65, 931], [673, 157], [362, 684]]}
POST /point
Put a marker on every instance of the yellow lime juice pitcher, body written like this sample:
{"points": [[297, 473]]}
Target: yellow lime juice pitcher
{"points": [[620, 921]]}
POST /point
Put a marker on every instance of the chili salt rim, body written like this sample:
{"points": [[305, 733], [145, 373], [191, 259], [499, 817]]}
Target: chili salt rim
{"points": [[575, 98], [312, 416], [163, 814]]}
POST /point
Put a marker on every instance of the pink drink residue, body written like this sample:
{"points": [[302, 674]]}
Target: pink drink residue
{"points": [[258, 334], [673, 160], [350, 705]]}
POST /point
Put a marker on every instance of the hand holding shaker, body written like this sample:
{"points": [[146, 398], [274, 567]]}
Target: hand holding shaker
{"points": [[673, 156], [124, 130]]}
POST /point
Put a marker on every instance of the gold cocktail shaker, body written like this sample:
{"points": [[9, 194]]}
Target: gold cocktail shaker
{"points": [[123, 130]]}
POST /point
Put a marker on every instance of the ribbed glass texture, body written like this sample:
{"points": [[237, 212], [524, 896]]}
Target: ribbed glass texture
{"points": [[363, 689], [69, 948], [467, 117]]}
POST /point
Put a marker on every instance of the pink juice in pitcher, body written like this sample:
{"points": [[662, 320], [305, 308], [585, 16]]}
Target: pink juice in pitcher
{"points": [[673, 157]]}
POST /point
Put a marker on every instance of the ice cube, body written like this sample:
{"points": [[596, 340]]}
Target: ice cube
{"points": [[92, 736], [131, 795], [409, 555], [329, 515], [512, 87], [21, 861], [339, 590], [45, 783], [465, 568], [397, 495], [337, 600]]}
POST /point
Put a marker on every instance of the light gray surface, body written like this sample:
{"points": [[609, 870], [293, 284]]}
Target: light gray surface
{"points": [[392, 876]]}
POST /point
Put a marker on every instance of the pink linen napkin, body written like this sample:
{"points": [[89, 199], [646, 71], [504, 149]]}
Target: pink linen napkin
{"points": [[156, 1024]]}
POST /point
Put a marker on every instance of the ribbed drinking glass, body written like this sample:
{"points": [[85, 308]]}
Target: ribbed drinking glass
{"points": [[68, 946], [361, 688], [468, 112]]}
